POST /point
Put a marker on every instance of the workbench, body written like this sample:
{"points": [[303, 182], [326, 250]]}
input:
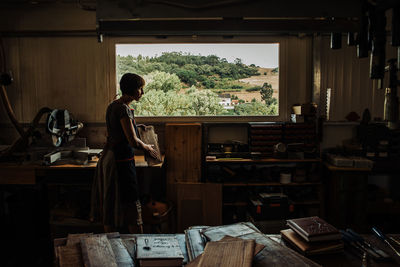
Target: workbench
{"points": [[29, 174]]}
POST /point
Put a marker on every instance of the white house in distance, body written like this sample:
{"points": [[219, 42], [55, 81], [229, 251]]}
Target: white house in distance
{"points": [[225, 101]]}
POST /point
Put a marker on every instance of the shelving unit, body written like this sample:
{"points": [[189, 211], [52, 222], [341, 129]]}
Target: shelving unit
{"points": [[266, 160], [304, 198], [249, 174]]}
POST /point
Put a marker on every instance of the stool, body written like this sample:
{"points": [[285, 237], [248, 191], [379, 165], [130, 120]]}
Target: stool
{"points": [[157, 217]]}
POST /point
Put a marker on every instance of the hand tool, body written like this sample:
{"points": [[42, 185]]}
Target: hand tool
{"points": [[394, 240], [358, 242], [360, 239], [383, 237], [354, 242], [364, 262], [351, 244]]}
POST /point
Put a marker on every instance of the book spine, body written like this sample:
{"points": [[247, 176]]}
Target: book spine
{"points": [[299, 230]]}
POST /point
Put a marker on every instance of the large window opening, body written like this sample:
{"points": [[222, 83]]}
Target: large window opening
{"points": [[210, 79]]}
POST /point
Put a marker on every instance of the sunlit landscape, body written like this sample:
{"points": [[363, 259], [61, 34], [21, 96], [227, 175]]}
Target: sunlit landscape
{"points": [[204, 79]]}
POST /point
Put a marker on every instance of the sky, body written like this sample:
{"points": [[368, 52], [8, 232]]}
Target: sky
{"points": [[262, 55]]}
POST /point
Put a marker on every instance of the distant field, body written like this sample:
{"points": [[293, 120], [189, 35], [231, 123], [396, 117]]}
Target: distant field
{"points": [[259, 80], [271, 78]]}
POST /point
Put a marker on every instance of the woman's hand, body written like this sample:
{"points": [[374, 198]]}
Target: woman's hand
{"points": [[150, 149]]}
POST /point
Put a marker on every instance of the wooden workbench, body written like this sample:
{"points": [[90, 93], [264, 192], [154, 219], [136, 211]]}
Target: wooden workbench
{"points": [[27, 174]]}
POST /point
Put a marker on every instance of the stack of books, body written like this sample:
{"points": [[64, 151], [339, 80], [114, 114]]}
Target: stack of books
{"points": [[312, 235]]}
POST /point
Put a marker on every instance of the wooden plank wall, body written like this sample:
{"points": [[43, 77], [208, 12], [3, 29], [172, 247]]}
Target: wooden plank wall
{"points": [[78, 73], [348, 77], [64, 73]]}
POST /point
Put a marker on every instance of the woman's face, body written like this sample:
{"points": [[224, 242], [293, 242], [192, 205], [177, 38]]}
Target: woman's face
{"points": [[138, 94]]}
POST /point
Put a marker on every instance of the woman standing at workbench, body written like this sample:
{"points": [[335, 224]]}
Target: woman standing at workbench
{"points": [[115, 188]]}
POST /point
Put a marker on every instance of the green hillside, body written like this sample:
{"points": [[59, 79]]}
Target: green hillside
{"points": [[179, 84]]}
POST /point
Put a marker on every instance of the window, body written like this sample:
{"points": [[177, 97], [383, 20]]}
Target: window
{"points": [[206, 79]]}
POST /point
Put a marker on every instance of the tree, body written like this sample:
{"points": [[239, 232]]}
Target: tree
{"points": [[194, 102], [266, 92], [187, 76], [151, 104], [238, 61], [158, 80], [205, 102], [255, 108], [208, 83]]}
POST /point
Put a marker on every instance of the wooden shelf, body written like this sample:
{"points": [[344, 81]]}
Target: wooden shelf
{"points": [[272, 184], [309, 202], [241, 204], [345, 169], [269, 160], [305, 203]]}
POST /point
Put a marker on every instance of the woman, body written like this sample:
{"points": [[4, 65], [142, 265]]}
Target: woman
{"points": [[115, 187]]}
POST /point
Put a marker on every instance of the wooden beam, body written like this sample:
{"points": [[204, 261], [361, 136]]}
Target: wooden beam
{"points": [[225, 26]]}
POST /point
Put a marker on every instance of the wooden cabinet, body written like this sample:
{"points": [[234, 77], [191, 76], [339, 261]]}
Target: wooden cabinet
{"points": [[183, 152]]}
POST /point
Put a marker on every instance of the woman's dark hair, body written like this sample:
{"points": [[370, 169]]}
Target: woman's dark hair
{"points": [[130, 82]]}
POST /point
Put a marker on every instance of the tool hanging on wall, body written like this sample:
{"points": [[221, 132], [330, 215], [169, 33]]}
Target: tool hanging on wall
{"points": [[336, 40], [391, 104], [362, 36], [372, 37], [396, 31], [378, 39]]}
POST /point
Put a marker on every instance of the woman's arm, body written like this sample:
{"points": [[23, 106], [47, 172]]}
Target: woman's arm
{"points": [[133, 139]]}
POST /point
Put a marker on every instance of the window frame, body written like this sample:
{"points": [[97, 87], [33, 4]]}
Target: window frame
{"points": [[283, 75]]}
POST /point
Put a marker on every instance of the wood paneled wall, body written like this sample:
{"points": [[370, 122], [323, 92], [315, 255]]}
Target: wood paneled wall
{"points": [[298, 68], [348, 78], [78, 73], [51, 16], [65, 73]]}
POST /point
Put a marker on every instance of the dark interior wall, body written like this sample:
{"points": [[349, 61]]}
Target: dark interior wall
{"points": [[56, 60]]}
